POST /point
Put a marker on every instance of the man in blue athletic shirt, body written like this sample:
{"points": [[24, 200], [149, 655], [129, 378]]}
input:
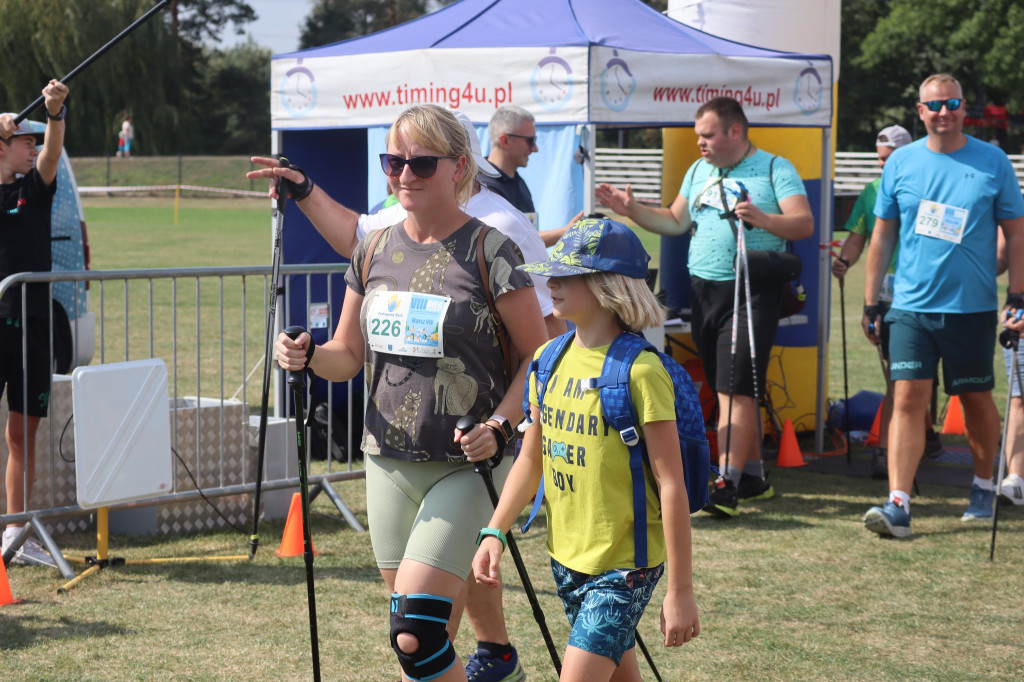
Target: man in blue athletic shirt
{"points": [[943, 198]]}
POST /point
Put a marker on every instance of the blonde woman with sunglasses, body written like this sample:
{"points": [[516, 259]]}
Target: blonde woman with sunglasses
{"points": [[416, 316]]}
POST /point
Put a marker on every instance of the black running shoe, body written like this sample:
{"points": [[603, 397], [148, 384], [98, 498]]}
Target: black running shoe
{"points": [[724, 499], [880, 464], [755, 488]]}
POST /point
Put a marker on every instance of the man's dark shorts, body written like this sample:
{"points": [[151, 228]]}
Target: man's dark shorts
{"points": [[965, 342], [711, 324], [38, 365]]}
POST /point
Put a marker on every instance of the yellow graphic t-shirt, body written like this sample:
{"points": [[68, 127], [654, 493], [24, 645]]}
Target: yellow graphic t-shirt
{"points": [[588, 491]]}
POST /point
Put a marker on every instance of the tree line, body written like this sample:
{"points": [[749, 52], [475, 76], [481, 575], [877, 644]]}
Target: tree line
{"points": [[183, 96], [188, 95]]}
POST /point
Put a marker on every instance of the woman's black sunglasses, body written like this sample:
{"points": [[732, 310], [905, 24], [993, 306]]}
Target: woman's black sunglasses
{"points": [[422, 166]]}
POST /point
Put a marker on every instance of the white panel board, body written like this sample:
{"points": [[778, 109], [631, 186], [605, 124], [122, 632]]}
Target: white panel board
{"points": [[122, 432]]}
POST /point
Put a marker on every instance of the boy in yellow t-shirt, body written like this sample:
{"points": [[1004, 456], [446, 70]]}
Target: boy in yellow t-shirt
{"points": [[597, 279]]}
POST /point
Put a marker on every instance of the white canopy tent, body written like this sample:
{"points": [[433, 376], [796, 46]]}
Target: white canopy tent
{"points": [[574, 64]]}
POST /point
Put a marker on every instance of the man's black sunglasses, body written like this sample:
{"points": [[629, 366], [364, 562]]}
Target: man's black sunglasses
{"points": [[422, 166], [936, 104], [530, 139]]}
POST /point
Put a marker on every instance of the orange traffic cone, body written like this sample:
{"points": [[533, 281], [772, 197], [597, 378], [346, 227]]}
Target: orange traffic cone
{"points": [[789, 449], [291, 540], [875, 428], [954, 422], [6, 597]]}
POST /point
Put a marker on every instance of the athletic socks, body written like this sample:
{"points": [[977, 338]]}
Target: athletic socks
{"points": [[496, 650], [984, 483], [900, 499], [733, 474]]}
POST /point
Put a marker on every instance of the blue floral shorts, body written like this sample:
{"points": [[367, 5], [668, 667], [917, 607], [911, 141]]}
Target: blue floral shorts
{"points": [[604, 609]]}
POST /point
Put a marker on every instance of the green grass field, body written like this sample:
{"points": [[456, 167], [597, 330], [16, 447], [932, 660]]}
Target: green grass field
{"points": [[793, 588], [141, 234], [225, 172]]}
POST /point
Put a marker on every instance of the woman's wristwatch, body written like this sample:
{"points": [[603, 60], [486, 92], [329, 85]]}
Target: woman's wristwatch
{"points": [[504, 432]]}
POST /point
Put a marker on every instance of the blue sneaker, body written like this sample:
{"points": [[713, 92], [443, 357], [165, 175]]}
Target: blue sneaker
{"points": [[481, 666], [888, 520], [980, 506]]}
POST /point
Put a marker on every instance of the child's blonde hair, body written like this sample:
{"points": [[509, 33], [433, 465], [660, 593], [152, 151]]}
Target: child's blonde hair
{"points": [[628, 298]]}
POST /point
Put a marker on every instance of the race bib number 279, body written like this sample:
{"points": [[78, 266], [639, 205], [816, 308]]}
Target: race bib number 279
{"points": [[941, 221]]}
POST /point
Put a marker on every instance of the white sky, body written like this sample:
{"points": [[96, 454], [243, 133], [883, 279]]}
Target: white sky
{"points": [[278, 26]]}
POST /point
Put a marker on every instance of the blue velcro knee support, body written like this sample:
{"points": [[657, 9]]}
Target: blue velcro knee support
{"points": [[425, 617]]}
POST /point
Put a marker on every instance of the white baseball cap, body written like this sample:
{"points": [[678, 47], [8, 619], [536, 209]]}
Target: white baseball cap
{"points": [[482, 164], [25, 128], [893, 137]]}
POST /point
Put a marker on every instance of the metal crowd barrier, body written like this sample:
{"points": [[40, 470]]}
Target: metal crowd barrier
{"points": [[208, 325]]}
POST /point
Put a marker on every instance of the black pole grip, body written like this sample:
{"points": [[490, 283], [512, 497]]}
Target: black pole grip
{"points": [[295, 378], [485, 465], [282, 186]]}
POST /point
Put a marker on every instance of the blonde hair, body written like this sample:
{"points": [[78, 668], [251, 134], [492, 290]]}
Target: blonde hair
{"points": [[628, 298], [434, 127], [938, 78]]}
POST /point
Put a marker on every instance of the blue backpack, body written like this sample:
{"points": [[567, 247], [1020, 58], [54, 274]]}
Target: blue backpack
{"points": [[617, 409]]}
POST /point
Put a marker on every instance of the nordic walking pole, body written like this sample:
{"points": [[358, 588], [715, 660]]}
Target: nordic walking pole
{"points": [[95, 55], [297, 381], [484, 469], [742, 246], [268, 349], [1011, 340], [846, 382], [741, 271], [647, 655]]}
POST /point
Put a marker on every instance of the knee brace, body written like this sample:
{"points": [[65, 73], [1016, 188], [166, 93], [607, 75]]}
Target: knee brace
{"points": [[424, 616]]}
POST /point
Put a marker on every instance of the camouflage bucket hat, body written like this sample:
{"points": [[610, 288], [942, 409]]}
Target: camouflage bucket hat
{"points": [[594, 245]]}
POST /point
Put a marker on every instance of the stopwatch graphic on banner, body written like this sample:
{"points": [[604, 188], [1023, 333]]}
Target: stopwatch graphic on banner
{"points": [[617, 83], [298, 90], [808, 91], [551, 82]]}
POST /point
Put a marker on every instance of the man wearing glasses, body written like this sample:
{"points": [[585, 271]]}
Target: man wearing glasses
{"points": [[859, 225], [513, 138], [944, 198]]}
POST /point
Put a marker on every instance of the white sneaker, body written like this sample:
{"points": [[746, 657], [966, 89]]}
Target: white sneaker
{"points": [[1012, 490], [31, 553]]}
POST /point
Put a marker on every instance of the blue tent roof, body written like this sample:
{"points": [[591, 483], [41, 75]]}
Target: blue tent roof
{"points": [[620, 24]]}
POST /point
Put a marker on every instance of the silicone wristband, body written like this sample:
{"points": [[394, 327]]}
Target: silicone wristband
{"points": [[484, 532]]}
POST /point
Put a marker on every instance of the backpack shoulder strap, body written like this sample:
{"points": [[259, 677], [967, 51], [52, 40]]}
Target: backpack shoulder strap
{"points": [[616, 401], [617, 407], [371, 246], [543, 366], [485, 277]]}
